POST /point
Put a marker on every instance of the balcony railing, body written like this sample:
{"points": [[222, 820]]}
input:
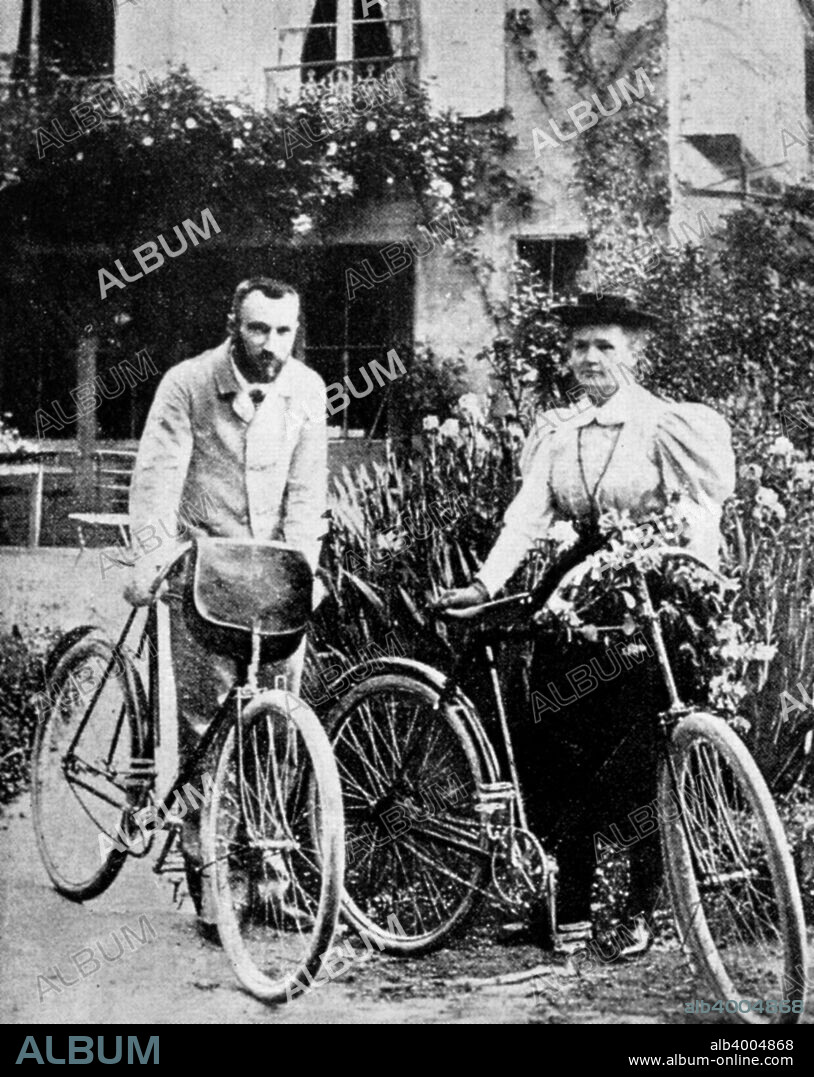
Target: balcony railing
{"points": [[337, 78]]}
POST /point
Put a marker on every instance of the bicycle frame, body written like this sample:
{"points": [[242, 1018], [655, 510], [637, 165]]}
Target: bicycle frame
{"points": [[528, 604], [142, 774]]}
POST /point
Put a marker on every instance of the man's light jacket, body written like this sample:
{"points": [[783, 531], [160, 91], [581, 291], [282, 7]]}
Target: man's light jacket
{"points": [[208, 464]]}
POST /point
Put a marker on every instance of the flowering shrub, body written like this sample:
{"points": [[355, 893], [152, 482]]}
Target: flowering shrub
{"points": [[175, 147], [406, 529], [431, 384], [769, 529]]}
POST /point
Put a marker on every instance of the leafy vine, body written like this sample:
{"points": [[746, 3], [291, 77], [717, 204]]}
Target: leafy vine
{"points": [[621, 162]]}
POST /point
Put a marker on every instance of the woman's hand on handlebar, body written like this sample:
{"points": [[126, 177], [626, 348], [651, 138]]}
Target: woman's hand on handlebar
{"points": [[460, 598]]}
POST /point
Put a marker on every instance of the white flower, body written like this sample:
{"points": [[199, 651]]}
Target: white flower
{"points": [[234, 111], [782, 447], [370, 125], [332, 150], [238, 144], [562, 533], [768, 499], [441, 188], [189, 123], [559, 606], [395, 135], [471, 407], [147, 141], [763, 652], [450, 429], [389, 544], [752, 471], [430, 423], [302, 225]]}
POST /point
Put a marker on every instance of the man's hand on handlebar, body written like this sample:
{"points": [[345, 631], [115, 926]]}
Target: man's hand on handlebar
{"points": [[139, 591], [459, 598]]}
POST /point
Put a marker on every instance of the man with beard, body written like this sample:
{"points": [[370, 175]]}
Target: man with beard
{"points": [[235, 446]]}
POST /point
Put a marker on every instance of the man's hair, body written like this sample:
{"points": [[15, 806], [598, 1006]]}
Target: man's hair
{"points": [[272, 289]]}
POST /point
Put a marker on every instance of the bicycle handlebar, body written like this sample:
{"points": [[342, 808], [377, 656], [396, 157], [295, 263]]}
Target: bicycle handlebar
{"points": [[182, 551], [472, 613], [525, 599]]}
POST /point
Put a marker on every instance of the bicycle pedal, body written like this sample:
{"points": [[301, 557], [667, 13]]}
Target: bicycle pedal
{"points": [[173, 865]]}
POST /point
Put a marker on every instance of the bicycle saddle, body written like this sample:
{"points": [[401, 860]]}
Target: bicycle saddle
{"points": [[252, 585]]}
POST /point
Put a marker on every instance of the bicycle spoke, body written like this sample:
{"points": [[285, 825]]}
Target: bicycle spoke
{"points": [[84, 745], [735, 915], [266, 827], [398, 755]]}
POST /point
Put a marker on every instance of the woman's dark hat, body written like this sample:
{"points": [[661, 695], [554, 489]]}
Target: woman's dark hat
{"points": [[590, 309]]}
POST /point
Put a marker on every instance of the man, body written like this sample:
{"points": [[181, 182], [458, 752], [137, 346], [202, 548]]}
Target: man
{"points": [[235, 446]]}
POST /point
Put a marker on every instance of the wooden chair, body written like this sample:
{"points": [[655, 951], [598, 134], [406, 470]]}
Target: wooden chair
{"points": [[112, 470]]}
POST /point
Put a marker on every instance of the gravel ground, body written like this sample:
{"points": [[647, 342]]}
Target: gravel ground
{"points": [[167, 974]]}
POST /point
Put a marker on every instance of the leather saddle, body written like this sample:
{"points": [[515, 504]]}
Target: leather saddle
{"points": [[239, 586]]}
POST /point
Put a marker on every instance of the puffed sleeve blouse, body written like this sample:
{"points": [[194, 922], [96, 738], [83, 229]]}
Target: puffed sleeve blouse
{"points": [[633, 454]]}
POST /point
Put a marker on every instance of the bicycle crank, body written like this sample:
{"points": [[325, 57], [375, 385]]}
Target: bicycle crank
{"points": [[520, 868]]}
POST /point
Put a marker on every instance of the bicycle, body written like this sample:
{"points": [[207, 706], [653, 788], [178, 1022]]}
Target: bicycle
{"points": [[410, 729], [271, 828]]}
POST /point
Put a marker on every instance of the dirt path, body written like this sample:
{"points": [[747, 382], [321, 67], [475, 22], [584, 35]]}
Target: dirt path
{"points": [[166, 974]]}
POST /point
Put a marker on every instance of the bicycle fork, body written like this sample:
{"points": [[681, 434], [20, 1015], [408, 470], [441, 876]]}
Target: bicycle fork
{"points": [[507, 740]]}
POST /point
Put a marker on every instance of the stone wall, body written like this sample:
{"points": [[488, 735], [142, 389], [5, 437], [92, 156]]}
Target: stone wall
{"points": [[736, 67]]}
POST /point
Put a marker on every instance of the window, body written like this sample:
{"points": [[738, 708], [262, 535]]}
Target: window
{"points": [[343, 336], [739, 171], [556, 261], [344, 41], [71, 38]]}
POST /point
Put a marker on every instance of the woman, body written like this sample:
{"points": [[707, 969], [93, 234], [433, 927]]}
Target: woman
{"points": [[619, 448]]}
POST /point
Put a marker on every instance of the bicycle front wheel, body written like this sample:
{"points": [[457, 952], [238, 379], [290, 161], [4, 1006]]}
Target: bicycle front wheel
{"points": [[273, 846], [82, 791], [735, 893], [410, 772]]}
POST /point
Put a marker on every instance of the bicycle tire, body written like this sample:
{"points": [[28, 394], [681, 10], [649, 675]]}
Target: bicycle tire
{"points": [[267, 888], [376, 909], [75, 873], [730, 871]]}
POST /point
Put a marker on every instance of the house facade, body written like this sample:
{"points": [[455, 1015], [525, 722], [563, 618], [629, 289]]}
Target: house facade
{"points": [[736, 75]]}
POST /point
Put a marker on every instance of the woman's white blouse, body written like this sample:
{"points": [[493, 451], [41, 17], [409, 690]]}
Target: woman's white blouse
{"points": [[656, 449]]}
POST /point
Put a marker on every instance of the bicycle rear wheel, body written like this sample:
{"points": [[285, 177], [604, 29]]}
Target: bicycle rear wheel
{"points": [[731, 876], [409, 768], [273, 846], [81, 789]]}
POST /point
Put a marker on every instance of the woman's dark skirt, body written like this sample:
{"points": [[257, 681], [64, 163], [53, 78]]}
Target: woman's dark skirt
{"points": [[588, 758]]}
